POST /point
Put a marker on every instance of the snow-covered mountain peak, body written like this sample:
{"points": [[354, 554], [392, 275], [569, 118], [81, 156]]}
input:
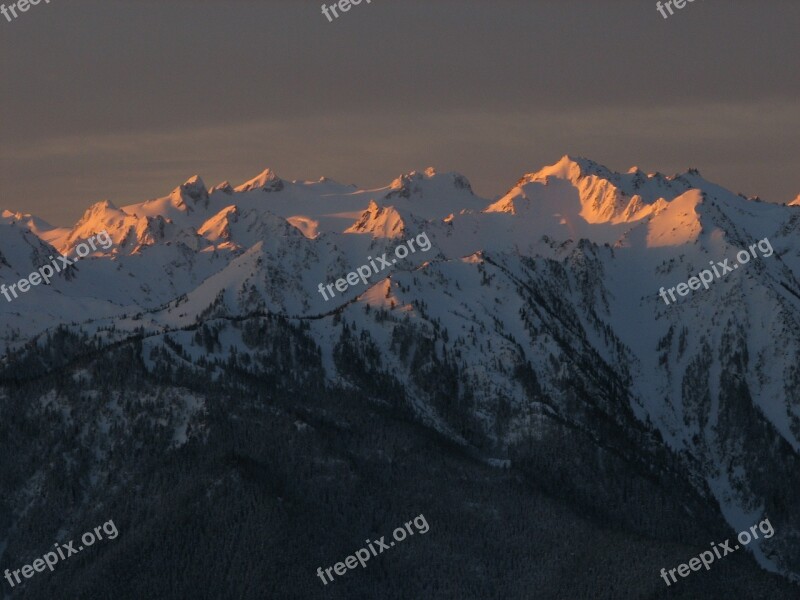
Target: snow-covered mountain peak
{"points": [[429, 182], [217, 229], [98, 208], [194, 188], [37, 226], [99, 216], [569, 168], [266, 181], [238, 228], [130, 228], [603, 196], [578, 198], [407, 185], [674, 223], [225, 187], [189, 194], [8, 216], [218, 226], [380, 221]]}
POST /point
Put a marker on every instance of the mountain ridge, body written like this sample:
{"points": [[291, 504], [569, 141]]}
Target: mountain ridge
{"points": [[530, 316]]}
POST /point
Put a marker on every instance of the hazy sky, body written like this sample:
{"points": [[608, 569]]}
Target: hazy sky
{"points": [[124, 100]]}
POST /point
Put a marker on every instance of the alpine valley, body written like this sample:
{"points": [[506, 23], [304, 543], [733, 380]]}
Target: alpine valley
{"points": [[565, 432]]}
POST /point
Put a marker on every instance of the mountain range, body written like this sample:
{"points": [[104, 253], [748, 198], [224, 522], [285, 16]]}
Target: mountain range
{"points": [[565, 431]]}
